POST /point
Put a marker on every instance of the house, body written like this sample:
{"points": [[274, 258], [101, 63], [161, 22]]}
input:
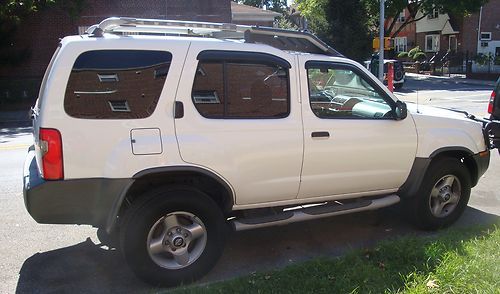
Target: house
{"points": [[459, 39], [405, 39], [41, 32], [249, 15], [437, 32]]}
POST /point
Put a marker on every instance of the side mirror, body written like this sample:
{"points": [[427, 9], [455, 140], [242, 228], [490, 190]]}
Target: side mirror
{"points": [[401, 111]]}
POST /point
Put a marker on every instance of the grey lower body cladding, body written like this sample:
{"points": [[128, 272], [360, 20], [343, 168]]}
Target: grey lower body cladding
{"points": [[82, 201]]}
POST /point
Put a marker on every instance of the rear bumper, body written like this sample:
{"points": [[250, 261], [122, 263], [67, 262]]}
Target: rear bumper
{"points": [[82, 201]]}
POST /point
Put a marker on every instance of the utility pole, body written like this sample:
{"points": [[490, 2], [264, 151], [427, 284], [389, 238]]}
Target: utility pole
{"points": [[381, 43]]}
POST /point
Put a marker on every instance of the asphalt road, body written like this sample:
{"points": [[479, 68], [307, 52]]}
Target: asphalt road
{"points": [[58, 258]]}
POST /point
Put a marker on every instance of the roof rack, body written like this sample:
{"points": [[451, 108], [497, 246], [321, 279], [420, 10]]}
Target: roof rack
{"points": [[301, 41]]}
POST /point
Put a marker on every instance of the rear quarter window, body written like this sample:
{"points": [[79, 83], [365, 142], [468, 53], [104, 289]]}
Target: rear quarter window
{"points": [[116, 84]]}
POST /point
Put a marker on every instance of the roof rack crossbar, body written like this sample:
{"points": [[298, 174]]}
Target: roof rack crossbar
{"points": [[301, 41]]}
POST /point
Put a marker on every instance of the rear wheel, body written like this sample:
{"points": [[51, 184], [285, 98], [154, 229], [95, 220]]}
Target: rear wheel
{"points": [[443, 196], [173, 236]]}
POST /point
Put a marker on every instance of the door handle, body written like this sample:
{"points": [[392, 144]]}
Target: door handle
{"points": [[178, 109], [320, 135]]}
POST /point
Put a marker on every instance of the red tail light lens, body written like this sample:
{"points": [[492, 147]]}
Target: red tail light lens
{"points": [[492, 102], [52, 156]]}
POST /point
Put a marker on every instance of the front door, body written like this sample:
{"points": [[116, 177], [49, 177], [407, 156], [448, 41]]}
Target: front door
{"points": [[353, 145], [453, 43], [242, 121]]}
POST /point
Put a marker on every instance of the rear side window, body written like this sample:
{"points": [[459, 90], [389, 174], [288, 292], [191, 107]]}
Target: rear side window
{"points": [[116, 84], [241, 89]]}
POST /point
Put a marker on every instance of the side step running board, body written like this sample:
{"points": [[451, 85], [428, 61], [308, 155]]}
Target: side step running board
{"points": [[315, 212]]}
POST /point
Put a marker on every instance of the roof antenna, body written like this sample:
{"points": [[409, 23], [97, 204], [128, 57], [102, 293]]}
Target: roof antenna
{"points": [[417, 102]]}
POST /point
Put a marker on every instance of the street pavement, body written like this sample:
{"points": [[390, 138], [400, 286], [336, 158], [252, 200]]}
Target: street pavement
{"points": [[68, 258]]}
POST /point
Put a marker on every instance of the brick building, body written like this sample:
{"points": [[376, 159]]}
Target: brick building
{"points": [[42, 31], [489, 40]]}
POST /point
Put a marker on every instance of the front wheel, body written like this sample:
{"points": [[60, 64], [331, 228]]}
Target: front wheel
{"points": [[173, 236], [443, 196]]}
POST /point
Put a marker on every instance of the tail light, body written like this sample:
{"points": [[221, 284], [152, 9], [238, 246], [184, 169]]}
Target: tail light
{"points": [[52, 156], [492, 102]]}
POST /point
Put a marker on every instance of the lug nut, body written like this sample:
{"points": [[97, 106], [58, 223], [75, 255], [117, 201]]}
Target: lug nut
{"points": [[185, 235], [178, 230]]}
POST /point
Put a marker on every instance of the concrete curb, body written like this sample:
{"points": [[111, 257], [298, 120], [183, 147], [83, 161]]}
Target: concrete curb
{"points": [[453, 79]]}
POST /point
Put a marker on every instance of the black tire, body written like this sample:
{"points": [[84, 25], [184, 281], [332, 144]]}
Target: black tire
{"points": [[145, 214], [111, 240], [418, 207]]}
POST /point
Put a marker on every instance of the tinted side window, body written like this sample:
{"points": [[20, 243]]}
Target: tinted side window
{"points": [[116, 84], [339, 92], [241, 90], [208, 90]]}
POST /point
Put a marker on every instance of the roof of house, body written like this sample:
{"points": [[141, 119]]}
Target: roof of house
{"points": [[241, 12]]}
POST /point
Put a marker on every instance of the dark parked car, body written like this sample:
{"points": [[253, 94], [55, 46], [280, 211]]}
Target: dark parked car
{"points": [[399, 72], [494, 105]]}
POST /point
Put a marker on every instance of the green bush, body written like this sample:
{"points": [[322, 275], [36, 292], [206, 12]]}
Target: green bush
{"points": [[19, 91]]}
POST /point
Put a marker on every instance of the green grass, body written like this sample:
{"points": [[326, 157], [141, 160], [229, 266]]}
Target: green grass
{"points": [[452, 261]]}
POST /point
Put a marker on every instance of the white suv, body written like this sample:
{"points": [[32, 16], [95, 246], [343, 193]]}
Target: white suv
{"points": [[166, 132]]}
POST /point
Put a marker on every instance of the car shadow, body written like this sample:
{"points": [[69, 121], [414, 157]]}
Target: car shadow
{"points": [[91, 268]]}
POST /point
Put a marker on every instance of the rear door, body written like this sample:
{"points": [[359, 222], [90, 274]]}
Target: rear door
{"points": [[242, 121]]}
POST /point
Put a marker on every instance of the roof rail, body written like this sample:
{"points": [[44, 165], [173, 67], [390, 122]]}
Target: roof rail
{"points": [[301, 41]]}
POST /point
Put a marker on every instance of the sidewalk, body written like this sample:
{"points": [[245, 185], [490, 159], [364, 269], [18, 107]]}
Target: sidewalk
{"points": [[455, 78]]}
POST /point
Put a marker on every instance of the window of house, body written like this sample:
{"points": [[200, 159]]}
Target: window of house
{"points": [[400, 44], [453, 44], [116, 84], [434, 14], [241, 89], [485, 36], [401, 17], [431, 43], [340, 91]]}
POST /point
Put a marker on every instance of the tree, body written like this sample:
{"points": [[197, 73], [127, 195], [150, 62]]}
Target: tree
{"points": [[418, 9], [274, 5], [13, 12], [314, 12], [340, 23]]}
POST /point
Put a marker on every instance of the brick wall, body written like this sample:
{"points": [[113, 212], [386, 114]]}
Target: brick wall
{"points": [[489, 20], [469, 34], [42, 31]]}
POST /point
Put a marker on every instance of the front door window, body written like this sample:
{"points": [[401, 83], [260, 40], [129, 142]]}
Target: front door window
{"points": [[337, 91]]}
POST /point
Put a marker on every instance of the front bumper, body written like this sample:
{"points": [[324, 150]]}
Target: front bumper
{"points": [[482, 161], [92, 201]]}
